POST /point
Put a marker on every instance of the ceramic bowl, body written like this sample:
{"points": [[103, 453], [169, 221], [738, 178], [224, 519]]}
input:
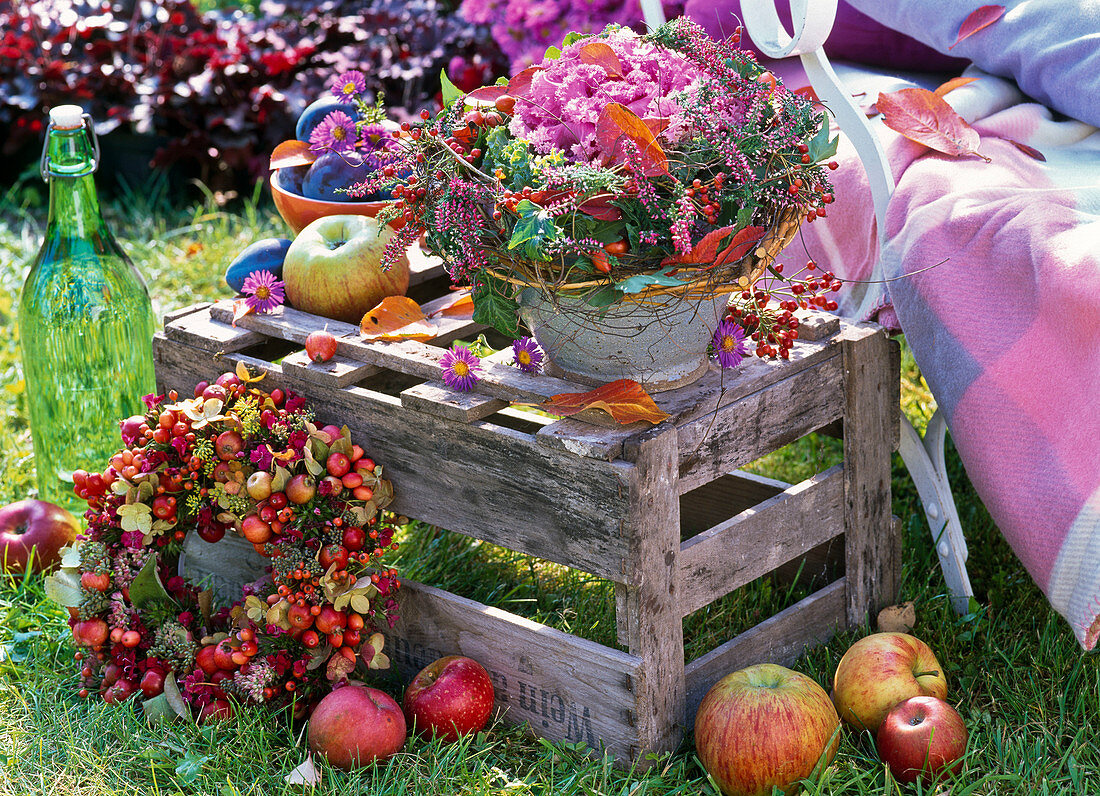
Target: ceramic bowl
{"points": [[299, 211]]}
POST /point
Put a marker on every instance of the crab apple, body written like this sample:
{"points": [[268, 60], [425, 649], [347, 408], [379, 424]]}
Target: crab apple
{"points": [[310, 639], [356, 725], [217, 710], [211, 533], [333, 554], [131, 638], [337, 464], [277, 500], [255, 529], [200, 387], [320, 345], [229, 380], [132, 428], [301, 488], [152, 683], [221, 472], [335, 485], [164, 507], [223, 656], [90, 633], [111, 672], [363, 492], [228, 445], [119, 691], [330, 620], [351, 480], [258, 485], [334, 432], [215, 391], [354, 538], [450, 697], [299, 617], [95, 581], [204, 658]]}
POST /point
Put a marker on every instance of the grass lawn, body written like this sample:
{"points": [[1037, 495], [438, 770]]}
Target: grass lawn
{"points": [[1015, 672]]}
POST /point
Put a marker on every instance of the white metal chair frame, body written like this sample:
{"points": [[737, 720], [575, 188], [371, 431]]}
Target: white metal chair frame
{"points": [[924, 457]]}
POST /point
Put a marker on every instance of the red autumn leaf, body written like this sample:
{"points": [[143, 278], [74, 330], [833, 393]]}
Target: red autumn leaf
{"points": [[459, 304], [952, 84], [618, 123], [657, 124], [809, 93], [601, 54], [520, 83], [921, 116], [1030, 151], [291, 153], [624, 400], [486, 95], [396, 318], [743, 242], [600, 208], [979, 19]]}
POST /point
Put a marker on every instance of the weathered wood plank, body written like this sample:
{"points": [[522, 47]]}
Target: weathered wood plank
{"points": [[780, 639], [566, 687], [199, 330], [646, 606], [870, 427], [479, 479], [224, 566], [760, 423], [436, 398], [816, 325], [709, 504], [583, 439], [760, 539], [180, 312], [423, 266], [336, 372]]}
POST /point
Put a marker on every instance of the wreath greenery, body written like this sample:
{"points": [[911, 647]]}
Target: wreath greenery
{"points": [[232, 459]]}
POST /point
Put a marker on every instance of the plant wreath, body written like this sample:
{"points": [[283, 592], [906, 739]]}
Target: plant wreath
{"points": [[232, 458]]}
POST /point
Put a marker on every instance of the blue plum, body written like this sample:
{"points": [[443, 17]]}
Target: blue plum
{"points": [[316, 112], [290, 178], [333, 172], [263, 255]]}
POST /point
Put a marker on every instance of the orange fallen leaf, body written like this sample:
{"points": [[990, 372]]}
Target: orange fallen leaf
{"points": [[952, 84], [460, 304], [396, 318], [979, 19], [601, 54], [625, 400], [921, 116], [291, 153], [617, 123], [241, 307]]}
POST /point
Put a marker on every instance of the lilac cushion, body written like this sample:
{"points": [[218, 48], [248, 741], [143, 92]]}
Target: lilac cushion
{"points": [[855, 36]]}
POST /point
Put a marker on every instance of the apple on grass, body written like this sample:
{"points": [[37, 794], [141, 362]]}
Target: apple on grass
{"points": [[922, 738], [38, 526], [765, 726], [881, 670], [449, 697], [356, 725], [333, 268]]}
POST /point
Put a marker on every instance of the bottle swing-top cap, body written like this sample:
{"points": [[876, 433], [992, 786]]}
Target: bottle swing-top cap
{"points": [[67, 117]]}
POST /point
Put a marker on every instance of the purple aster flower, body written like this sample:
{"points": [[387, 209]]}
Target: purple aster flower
{"points": [[348, 84], [527, 354], [729, 344], [335, 132], [264, 292], [460, 368]]}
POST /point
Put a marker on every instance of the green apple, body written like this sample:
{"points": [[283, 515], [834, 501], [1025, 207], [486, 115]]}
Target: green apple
{"points": [[333, 268]]}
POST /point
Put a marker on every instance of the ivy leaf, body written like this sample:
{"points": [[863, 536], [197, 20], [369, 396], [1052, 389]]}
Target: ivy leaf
{"points": [[638, 283], [978, 19], [921, 116], [820, 145], [604, 297], [146, 587], [190, 767], [534, 229], [495, 305], [451, 92]]}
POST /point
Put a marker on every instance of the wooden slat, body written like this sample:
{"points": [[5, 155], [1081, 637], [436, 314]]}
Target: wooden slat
{"points": [[199, 330], [760, 422], [584, 439], [870, 428], [709, 504], [566, 687], [180, 312], [780, 639], [336, 372], [224, 566], [436, 398], [816, 325], [760, 539], [478, 479], [423, 266], [646, 607]]}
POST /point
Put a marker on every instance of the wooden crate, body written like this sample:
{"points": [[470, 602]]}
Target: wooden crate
{"points": [[608, 500]]}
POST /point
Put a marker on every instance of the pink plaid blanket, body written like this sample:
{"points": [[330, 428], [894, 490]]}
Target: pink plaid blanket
{"points": [[1006, 325]]}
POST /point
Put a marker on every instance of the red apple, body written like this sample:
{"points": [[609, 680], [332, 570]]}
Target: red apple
{"points": [[356, 725], [218, 710], [762, 726], [881, 670], [320, 345], [37, 525], [450, 697], [333, 268], [301, 488], [922, 738]]}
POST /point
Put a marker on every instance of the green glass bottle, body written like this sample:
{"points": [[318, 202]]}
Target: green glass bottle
{"points": [[85, 321]]}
